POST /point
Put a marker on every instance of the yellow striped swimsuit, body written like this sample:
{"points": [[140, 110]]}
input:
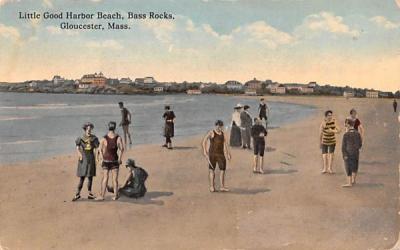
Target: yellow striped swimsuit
{"points": [[329, 138]]}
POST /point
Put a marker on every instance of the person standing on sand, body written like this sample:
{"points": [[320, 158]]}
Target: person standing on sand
{"points": [[328, 131], [169, 118], [215, 154], [258, 132], [394, 105], [263, 108], [134, 184], [109, 147], [86, 147], [125, 121], [357, 123], [351, 146], [246, 123], [235, 139]]}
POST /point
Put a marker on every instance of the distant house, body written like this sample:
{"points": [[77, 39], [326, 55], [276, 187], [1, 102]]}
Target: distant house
{"points": [[386, 94], [312, 84], [302, 88], [33, 84], [84, 85], [371, 94], [158, 89], [193, 92], [112, 81], [250, 91], [125, 81], [94, 79], [234, 85], [253, 84], [348, 94], [149, 79], [58, 80], [276, 88]]}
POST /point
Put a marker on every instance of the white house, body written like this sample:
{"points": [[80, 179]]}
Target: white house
{"points": [[250, 92], [193, 92], [58, 80], [371, 94], [158, 89], [348, 94], [149, 79], [125, 81], [234, 85]]}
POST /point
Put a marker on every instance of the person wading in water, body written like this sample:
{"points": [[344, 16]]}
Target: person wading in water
{"points": [[125, 121]]}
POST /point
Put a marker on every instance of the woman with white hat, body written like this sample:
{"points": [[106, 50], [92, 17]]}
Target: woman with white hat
{"points": [[235, 138]]}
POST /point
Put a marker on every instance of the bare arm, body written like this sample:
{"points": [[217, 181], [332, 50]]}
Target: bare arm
{"points": [[204, 143], [361, 130], [100, 151], [127, 178], [227, 150], [78, 150], [321, 129], [121, 149], [129, 116]]}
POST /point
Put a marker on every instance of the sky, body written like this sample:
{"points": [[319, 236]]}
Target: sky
{"points": [[352, 42]]}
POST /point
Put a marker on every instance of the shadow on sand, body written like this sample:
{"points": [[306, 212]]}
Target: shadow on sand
{"points": [[369, 185], [280, 171], [270, 149], [285, 163], [183, 148], [148, 199], [372, 163], [288, 154], [243, 191]]}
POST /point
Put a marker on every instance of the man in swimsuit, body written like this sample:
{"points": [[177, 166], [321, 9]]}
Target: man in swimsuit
{"points": [[395, 105], [262, 108], [125, 121], [215, 154], [109, 147], [258, 132], [357, 123], [351, 145]]}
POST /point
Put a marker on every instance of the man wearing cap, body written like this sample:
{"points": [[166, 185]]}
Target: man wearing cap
{"points": [[134, 184], [86, 148], [109, 147], [215, 154], [246, 124], [125, 121]]}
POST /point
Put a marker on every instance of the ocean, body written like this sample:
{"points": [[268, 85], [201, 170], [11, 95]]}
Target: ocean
{"points": [[35, 126]]}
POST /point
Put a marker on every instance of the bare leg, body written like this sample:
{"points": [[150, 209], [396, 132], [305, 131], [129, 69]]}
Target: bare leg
{"points": [[222, 181], [261, 164], [104, 182], [325, 163], [255, 160], [211, 177], [349, 184], [115, 183], [330, 163], [353, 178], [126, 133]]}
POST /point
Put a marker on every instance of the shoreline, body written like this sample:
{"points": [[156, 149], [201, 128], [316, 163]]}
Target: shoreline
{"points": [[293, 206]]}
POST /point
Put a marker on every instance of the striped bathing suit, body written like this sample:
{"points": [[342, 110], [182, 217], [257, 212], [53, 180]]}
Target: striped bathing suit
{"points": [[329, 138]]}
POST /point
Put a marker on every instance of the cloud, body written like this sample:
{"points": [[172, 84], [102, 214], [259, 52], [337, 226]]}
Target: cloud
{"points": [[385, 23], [57, 31], [262, 32], [107, 44], [3, 2], [9, 32], [328, 22]]}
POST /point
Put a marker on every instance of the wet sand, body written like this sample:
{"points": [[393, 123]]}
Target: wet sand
{"points": [[292, 206]]}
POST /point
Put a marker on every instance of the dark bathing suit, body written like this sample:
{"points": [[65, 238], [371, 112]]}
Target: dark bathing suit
{"points": [[258, 141], [263, 111], [216, 151], [110, 157], [125, 120]]}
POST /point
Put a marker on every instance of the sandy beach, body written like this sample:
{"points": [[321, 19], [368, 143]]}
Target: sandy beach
{"points": [[292, 206]]}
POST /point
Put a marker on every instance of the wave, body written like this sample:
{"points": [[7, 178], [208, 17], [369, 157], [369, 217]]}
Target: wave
{"points": [[20, 142], [161, 102], [14, 118]]}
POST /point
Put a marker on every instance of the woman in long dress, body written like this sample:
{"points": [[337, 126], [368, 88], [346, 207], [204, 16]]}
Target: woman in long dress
{"points": [[235, 138]]}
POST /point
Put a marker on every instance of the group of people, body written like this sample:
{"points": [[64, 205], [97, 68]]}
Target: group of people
{"points": [[351, 144], [215, 147]]}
